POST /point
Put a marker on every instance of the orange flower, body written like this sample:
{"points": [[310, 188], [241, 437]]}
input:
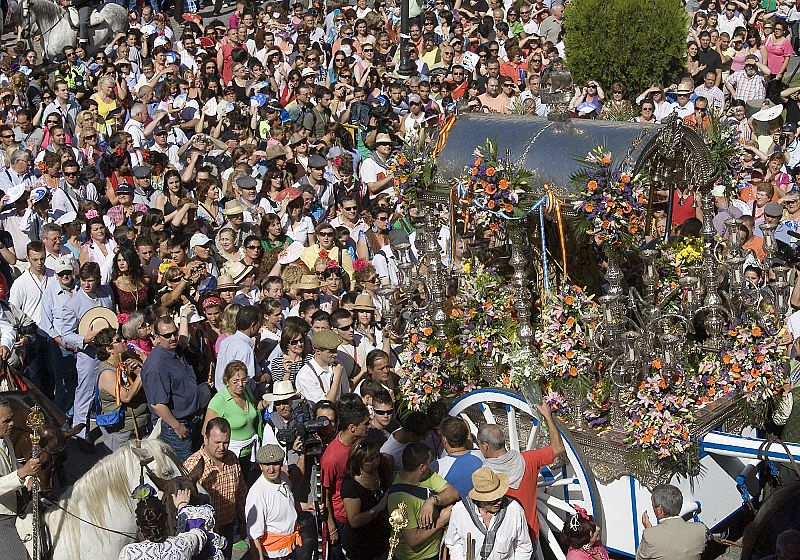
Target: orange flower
{"points": [[494, 227], [625, 178], [491, 204], [503, 184], [474, 171], [662, 383], [417, 358], [490, 171], [657, 364], [588, 208], [570, 321], [477, 161], [726, 359], [756, 331], [569, 300], [633, 229], [573, 371], [402, 160], [428, 389], [591, 185], [759, 358], [606, 160], [427, 331], [711, 391], [508, 207], [491, 189]]}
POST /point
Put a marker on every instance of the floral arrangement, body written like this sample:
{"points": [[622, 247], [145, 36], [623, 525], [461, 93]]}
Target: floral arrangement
{"points": [[494, 184], [422, 369], [412, 169], [659, 415], [597, 413], [750, 367], [726, 152], [483, 324], [524, 370], [563, 339], [611, 204]]}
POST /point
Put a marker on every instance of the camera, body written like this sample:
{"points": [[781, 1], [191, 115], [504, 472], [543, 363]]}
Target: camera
{"points": [[303, 425]]}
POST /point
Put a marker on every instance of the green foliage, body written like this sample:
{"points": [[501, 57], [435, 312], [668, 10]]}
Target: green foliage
{"points": [[634, 42]]}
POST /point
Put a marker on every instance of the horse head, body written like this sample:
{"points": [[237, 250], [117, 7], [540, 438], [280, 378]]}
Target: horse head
{"points": [[169, 487]]}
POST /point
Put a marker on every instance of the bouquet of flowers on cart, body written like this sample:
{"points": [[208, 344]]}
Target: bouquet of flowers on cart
{"points": [[611, 204], [482, 323], [750, 366], [678, 258], [423, 368], [563, 338], [659, 415], [412, 169]]}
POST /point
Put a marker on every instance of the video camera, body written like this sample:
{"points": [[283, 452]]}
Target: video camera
{"points": [[303, 425]]}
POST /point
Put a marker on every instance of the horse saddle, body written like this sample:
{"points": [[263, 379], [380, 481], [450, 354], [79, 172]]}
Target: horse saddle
{"points": [[95, 18]]}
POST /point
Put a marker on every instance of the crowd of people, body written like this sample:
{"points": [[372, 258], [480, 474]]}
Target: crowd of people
{"points": [[198, 229]]}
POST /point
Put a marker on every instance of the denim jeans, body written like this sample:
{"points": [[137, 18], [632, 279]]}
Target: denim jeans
{"points": [[37, 364], [62, 363], [181, 447]]}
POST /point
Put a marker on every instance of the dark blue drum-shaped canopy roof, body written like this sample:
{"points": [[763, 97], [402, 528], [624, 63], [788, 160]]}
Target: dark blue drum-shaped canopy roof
{"points": [[553, 151]]}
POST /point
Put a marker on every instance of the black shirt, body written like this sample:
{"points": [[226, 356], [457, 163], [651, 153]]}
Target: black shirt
{"points": [[371, 540], [712, 61]]}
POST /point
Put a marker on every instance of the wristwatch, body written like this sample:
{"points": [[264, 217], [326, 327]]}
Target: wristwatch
{"points": [[436, 498]]}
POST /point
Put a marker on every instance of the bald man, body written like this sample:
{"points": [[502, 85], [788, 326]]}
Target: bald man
{"points": [[522, 468]]}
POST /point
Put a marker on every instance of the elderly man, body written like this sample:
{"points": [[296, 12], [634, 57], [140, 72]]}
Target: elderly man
{"points": [[709, 90], [222, 478], [522, 468], [59, 291], [671, 538], [488, 521], [270, 508], [12, 479], [18, 173]]}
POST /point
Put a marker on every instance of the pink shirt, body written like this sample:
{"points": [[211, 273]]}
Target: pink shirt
{"points": [[777, 52], [600, 553]]}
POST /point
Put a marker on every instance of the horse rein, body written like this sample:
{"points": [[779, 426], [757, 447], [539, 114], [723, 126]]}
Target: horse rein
{"points": [[56, 504]]}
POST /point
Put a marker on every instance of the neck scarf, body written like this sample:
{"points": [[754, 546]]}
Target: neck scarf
{"points": [[511, 463], [490, 534]]}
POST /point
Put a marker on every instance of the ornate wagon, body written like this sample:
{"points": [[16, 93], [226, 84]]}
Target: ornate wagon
{"points": [[598, 473]]}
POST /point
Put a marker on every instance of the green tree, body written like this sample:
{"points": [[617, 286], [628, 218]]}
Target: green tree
{"points": [[630, 41]]}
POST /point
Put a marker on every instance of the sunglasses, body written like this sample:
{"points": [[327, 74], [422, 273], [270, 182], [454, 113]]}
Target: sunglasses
{"points": [[65, 274], [325, 234], [169, 335], [386, 412], [254, 247], [346, 327], [296, 342], [70, 174]]}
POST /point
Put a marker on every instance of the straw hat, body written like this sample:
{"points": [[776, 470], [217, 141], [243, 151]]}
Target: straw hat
{"points": [[308, 282], [225, 282], [487, 485], [239, 271], [97, 318], [364, 303], [281, 391], [233, 207]]}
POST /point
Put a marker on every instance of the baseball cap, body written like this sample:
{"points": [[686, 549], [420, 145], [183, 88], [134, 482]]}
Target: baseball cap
{"points": [[199, 239], [63, 264], [124, 188]]}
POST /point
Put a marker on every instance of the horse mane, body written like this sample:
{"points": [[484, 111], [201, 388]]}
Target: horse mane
{"points": [[47, 11], [107, 487]]}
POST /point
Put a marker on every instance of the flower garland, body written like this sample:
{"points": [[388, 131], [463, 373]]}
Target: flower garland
{"points": [[563, 339], [611, 204], [726, 152]]}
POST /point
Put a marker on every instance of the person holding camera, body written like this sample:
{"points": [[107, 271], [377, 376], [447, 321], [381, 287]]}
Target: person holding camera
{"points": [[322, 377]]}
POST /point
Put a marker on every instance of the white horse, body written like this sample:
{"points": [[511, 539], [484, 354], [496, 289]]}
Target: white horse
{"points": [[96, 517], [59, 27]]}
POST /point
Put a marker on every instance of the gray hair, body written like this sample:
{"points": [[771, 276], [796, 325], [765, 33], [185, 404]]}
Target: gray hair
{"points": [[47, 229], [138, 108], [669, 497], [130, 329], [493, 436], [18, 155]]}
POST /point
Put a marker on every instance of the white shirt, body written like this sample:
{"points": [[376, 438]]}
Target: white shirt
{"points": [[394, 448], [238, 346], [269, 508], [371, 172], [27, 292], [9, 481], [512, 539], [299, 232], [386, 265], [313, 381], [136, 130]]}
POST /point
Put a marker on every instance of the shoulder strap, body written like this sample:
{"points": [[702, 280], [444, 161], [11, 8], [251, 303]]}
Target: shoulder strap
{"points": [[417, 491]]}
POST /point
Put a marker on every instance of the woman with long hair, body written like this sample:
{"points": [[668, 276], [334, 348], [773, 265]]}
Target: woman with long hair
{"points": [[174, 291], [271, 319], [227, 325], [172, 199], [271, 185], [582, 537], [228, 249], [119, 385], [366, 278], [131, 290], [365, 536], [107, 104], [99, 246], [152, 221], [365, 325], [209, 209], [296, 224], [377, 236], [89, 144], [116, 166]]}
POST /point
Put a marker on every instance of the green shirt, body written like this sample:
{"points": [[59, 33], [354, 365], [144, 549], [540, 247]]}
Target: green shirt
{"points": [[430, 547], [244, 424]]}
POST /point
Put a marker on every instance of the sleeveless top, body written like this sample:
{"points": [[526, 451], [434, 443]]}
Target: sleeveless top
{"points": [[128, 302], [138, 407]]}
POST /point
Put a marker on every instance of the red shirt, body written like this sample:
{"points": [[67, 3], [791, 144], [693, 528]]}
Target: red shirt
{"points": [[333, 464], [525, 494], [682, 211]]}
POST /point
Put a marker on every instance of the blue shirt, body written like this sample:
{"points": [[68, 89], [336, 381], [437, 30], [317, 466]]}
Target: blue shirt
{"points": [[237, 346], [168, 379], [458, 469], [66, 319]]}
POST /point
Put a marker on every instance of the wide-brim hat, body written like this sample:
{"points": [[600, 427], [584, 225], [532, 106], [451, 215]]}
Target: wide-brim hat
{"points": [[14, 194], [364, 302], [233, 207], [239, 271], [297, 138], [684, 89], [97, 318], [225, 282], [768, 112], [281, 391], [487, 485], [291, 253], [383, 138], [308, 282]]}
